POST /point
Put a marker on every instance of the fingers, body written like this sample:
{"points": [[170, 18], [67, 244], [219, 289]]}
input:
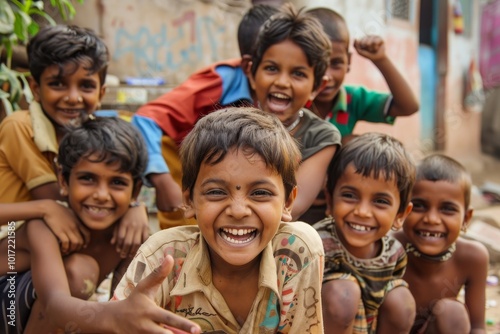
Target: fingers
{"points": [[178, 324], [150, 284], [369, 43]]}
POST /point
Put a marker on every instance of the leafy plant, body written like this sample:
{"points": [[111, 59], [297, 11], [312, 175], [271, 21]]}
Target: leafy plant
{"points": [[17, 26]]}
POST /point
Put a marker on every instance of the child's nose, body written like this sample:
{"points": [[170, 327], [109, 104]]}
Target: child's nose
{"points": [[283, 80], [73, 96], [238, 208], [432, 217], [362, 209], [101, 193]]}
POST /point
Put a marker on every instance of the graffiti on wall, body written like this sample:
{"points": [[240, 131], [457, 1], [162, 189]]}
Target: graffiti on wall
{"points": [[184, 42]]}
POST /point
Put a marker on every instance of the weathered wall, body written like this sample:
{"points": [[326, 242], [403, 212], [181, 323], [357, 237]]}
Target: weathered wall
{"points": [[166, 39]]}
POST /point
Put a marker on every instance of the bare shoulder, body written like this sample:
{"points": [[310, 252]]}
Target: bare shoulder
{"points": [[471, 252]]}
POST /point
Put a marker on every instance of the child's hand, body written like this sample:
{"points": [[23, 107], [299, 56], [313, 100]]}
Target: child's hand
{"points": [[70, 232], [371, 47], [147, 317], [131, 231]]}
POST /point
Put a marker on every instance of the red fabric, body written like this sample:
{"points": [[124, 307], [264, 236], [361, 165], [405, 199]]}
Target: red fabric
{"points": [[177, 111]]}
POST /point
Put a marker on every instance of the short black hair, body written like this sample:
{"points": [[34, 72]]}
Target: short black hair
{"points": [[333, 24], [250, 24], [252, 130], [108, 139], [439, 167], [376, 155], [67, 44]]}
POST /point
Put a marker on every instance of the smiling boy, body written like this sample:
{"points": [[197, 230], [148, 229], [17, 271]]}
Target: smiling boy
{"points": [[440, 261], [368, 194], [242, 269]]}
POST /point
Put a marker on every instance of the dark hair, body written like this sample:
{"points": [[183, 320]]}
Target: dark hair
{"points": [[333, 24], [62, 45], [302, 29], [250, 24], [438, 167], [109, 139], [375, 155], [247, 128]]}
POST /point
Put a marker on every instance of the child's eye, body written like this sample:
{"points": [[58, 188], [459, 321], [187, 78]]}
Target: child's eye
{"points": [[119, 182], [300, 74], [56, 84], [449, 209], [215, 193], [382, 201], [86, 178], [418, 206], [89, 85], [270, 68], [347, 195], [262, 193]]}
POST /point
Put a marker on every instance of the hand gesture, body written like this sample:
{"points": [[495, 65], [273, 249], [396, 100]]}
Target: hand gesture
{"points": [[371, 47], [131, 231], [144, 315], [70, 232]]}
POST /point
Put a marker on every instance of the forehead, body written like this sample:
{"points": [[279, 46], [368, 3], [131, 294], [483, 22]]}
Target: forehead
{"points": [[440, 190], [339, 49], [286, 51], [69, 69], [380, 181]]}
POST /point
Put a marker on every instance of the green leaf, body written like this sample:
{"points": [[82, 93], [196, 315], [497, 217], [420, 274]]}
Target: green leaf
{"points": [[44, 15], [6, 103], [6, 18], [33, 28]]}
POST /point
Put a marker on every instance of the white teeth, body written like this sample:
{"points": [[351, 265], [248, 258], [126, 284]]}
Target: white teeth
{"points": [[432, 234], [360, 227], [235, 231], [280, 96], [94, 209]]}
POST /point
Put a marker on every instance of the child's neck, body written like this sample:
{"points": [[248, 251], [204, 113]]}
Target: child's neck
{"points": [[322, 109]]}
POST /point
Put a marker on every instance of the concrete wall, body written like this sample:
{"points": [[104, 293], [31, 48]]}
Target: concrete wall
{"points": [[166, 39]]}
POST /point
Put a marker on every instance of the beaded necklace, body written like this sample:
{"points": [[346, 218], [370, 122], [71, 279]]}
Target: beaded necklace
{"points": [[437, 258], [296, 122]]}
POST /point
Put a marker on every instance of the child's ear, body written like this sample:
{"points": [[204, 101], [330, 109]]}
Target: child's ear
{"points": [[467, 217], [102, 92], [35, 88], [248, 72], [286, 215], [189, 211], [63, 185], [246, 64], [400, 217]]}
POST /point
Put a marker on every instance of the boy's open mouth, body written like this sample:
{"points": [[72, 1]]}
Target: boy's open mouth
{"points": [[427, 234], [238, 236], [278, 102], [361, 228]]}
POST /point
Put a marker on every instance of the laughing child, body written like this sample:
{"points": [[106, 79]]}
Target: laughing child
{"points": [[440, 262], [244, 268], [368, 192]]}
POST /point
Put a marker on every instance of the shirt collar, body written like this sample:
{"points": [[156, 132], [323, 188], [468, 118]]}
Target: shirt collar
{"points": [[198, 275], [44, 134]]}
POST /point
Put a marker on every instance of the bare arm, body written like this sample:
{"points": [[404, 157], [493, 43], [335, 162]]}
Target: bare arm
{"points": [[136, 314], [310, 180], [404, 101], [168, 192], [475, 287]]}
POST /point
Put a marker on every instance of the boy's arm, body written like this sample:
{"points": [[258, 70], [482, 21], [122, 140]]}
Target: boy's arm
{"points": [[311, 179], [404, 102], [137, 314], [475, 287], [168, 192], [71, 234]]}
